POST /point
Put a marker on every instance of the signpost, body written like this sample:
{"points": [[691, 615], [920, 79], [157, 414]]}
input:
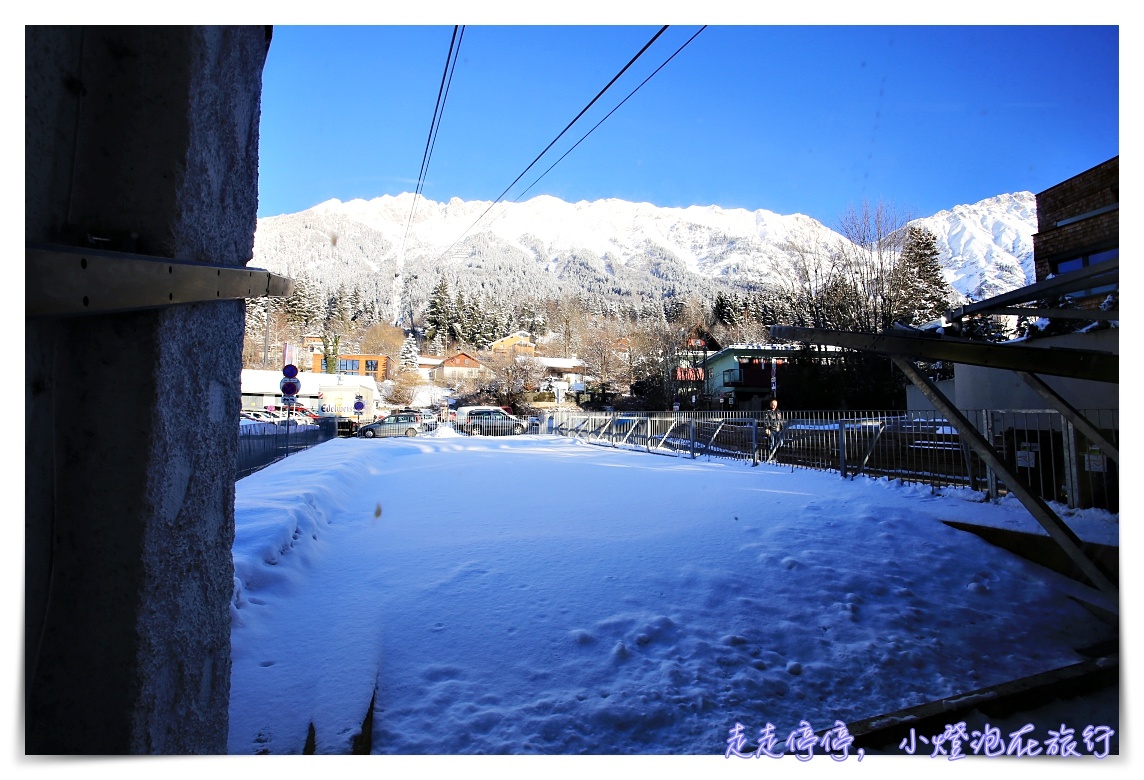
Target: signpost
{"points": [[290, 387]]}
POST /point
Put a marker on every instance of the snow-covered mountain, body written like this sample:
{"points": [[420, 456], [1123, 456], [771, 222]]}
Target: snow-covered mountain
{"points": [[612, 248], [987, 247]]}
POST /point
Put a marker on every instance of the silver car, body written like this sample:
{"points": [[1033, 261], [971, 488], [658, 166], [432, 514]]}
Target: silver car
{"points": [[400, 424]]}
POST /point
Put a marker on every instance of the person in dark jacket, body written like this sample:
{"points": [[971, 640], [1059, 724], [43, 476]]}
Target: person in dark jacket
{"points": [[772, 424]]}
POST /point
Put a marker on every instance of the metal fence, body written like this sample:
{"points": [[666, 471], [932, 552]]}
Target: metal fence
{"points": [[1040, 447], [261, 445]]}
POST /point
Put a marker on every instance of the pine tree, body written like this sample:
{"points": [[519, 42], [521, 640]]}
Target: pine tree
{"points": [[303, 308], [922, 292], [409, 353], [728, 309], [983, 328], [439, 313]]}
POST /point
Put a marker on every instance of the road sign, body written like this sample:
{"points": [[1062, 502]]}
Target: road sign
{"points": [[359, 406], [290, 386], [289, 400], [289, 371]]}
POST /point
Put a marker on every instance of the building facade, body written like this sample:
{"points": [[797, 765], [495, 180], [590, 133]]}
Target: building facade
{"points": [[1078, 225], [378, 367]]}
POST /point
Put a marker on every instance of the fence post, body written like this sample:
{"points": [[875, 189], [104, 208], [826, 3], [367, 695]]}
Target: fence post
{"points": [[842, 446], [1072, 463], [990, 474], [691, 428]]}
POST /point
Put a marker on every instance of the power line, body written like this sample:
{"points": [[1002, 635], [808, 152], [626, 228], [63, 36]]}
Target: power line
{"points": [[625, 100], [562, 132], [430, 143]]}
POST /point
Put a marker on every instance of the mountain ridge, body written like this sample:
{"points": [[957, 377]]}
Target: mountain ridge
{"points": [[546, 247]]}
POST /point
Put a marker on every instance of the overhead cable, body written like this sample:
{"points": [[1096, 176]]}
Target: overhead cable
{"points": [[435, 124], [625, 100], [430, 143], [562, 132]]}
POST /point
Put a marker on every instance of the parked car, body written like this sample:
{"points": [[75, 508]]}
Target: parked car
{"points": [[299, 410], [492, 422], [428, 420], [397, 424]]}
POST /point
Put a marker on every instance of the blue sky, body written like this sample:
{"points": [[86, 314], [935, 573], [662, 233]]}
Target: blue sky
{"points": [[785, 118]]}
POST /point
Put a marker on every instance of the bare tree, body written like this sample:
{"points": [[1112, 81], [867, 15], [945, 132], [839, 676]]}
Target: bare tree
{"points": [[404, 388], [870, 257], [514, 375], [565, 317], [654, 355], [383, 339], [599, 353], [814, 266]]}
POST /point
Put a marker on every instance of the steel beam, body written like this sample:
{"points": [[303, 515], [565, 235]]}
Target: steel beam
{"points": [[1053, 361], [1107, 272], [1079, 421], [66, 281], [1061, 533]]}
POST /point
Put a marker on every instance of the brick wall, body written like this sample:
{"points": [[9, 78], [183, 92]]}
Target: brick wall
{"points": [[1094, 189]]}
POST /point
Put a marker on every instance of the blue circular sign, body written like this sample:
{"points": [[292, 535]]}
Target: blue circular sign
{"points": [[289, 371], [358, 406]]}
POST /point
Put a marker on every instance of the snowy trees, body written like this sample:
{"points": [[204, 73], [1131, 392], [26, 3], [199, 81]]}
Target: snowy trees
{"points": [[304, 308], [410, 354], [923, 294], [439, 317], [331, 348]]}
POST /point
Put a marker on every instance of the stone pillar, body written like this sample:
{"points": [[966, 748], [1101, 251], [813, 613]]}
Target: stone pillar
{"points": [[139, 139]]}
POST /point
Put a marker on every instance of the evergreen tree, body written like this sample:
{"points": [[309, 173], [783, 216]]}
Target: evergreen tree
{"points": [[303, 308], [923, 292], [439, 312], [409, 353], [983, 328], [728, 309], [1048, 326], [458, 329]]}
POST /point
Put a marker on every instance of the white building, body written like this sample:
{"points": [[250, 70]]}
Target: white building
{"points": [[327, 394]]}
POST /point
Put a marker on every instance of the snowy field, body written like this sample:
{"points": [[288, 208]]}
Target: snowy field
{"points": [[536, 594]]}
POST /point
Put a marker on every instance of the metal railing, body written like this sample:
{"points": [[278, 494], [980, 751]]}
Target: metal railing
{"points": [[263, 444], [1041, 447]]}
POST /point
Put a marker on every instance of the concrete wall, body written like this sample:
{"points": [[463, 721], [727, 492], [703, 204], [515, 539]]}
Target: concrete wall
{"points": [[146, 138], [986, 388]]}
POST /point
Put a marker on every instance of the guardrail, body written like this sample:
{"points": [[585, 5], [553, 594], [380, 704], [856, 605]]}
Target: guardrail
{"points": [[1040, 446]]}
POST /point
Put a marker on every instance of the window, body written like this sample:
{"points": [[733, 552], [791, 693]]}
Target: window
{"points": [[1078, 262], [371, 366], [348, 366]]}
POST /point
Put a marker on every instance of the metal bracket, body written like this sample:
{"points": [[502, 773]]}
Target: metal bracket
{"points": [[66, 281]]}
